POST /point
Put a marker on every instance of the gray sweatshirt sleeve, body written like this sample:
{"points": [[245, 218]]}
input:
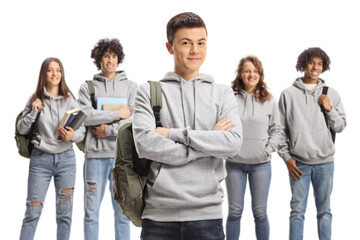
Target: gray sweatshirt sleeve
{"points": [[27, 119], [274, 128], [283, 148], [94, 117], [112, 129], [337, 117], [215, 143], [152, 145]]}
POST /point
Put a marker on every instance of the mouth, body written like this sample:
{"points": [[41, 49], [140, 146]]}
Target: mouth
{"points": [[54, 78], [252, 79], [194, 59], [110, 66], [314, 73]]}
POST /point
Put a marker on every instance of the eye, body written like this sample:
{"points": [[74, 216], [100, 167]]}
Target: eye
{"points": [[201, 43], [185, 43]]}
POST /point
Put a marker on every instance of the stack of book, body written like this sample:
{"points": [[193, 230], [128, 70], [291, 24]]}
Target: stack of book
{"points": [[73, 118]]}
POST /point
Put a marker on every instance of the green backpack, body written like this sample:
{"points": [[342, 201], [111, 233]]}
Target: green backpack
{"points": [[130, 172], [23, 142], [90, 83]]}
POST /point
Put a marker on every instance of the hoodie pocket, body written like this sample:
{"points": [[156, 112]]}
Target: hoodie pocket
{"points": [[253, 150], [192, 184], [313, 145]]}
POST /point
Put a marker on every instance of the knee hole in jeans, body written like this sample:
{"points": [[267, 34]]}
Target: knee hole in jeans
{"points": [[91, 187], [36, 203], [66, 191]]}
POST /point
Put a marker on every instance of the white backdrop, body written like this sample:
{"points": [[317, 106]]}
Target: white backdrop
{"points": [[275, 31]]}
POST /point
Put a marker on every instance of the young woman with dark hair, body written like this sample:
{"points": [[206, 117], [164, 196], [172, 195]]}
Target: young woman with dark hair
{"points": [[260, 120], [50, 158]]}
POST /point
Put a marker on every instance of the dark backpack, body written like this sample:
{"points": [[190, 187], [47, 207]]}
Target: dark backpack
{"points": [[130, 172], [333, 133], [23, 142], [90, 83]]}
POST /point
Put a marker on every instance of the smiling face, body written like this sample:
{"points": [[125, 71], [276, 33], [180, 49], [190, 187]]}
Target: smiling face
{"points": [[250, 76], [109, 62], [189, 50], [53, 75], [313, 70]]}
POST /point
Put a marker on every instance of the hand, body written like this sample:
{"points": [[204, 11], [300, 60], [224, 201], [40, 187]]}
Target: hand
{"points": [[294, 171], [37, 104], [66, 134], [99, 131], [224, 125], [266, 153], [124, 112], [325, 102], [163, 131]]}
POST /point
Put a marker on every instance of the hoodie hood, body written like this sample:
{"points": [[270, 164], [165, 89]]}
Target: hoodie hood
{"points": [[111, 84], [298, 83], [173, 77]]}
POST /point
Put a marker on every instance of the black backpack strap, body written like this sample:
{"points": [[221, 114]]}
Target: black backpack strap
{"points": [[156, 101], [90, 84], [333, 134]]}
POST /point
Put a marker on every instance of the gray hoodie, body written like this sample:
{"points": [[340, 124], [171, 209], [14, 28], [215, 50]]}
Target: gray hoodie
{"points": [[261, 129], [184, 180], [51, 114], [304, 134], [119, 87]]}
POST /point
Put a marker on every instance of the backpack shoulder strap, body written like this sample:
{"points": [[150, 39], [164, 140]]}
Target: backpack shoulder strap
{"points": [[90, 84], [156, 100], [325, 90]]}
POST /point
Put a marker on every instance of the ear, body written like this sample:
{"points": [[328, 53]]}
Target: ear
{"points": [[169, 48]]}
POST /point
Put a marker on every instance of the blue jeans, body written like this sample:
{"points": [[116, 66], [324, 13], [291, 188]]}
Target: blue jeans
{"points": [[204, 230], [321, 177], [259, 182], [96, 173], [44, 166]]}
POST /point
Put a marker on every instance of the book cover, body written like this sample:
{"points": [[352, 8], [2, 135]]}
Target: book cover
{"points": [[108, 100], [65, 119], [112, 107], [78, 120]]}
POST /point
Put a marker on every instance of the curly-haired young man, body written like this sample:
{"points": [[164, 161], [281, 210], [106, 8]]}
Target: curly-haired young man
{"points": [[201, 126], [306, 143], [101, 135]]}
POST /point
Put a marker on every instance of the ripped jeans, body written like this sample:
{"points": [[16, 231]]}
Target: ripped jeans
{"points": [[97, 172], [44, 166]]}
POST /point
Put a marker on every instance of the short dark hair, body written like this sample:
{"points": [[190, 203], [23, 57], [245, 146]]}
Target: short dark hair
{"points": [[183, 20], [104, 45], [261, 93], [309, 54]]}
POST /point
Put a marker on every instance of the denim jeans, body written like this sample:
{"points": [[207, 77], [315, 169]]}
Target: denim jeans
{"points": [[259, 182], [321, 177], [97, 171], [44, 166], [194, 230]]}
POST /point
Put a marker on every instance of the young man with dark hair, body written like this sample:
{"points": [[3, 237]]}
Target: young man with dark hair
{"points": [[306, 142], [101, 135], [201, 126]]}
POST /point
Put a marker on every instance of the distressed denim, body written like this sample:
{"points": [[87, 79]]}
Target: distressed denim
{"points": [[259, 182], [321, 177], [194, 230], [43, 167], [97, 171]]}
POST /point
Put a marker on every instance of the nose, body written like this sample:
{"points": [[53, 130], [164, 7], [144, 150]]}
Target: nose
{"points": [[194, 49]]}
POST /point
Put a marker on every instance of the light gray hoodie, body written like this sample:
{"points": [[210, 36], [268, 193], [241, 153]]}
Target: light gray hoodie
{"points": [[304, 134], [261, 129], [51, 114], [119, 87], [188, 167]]}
